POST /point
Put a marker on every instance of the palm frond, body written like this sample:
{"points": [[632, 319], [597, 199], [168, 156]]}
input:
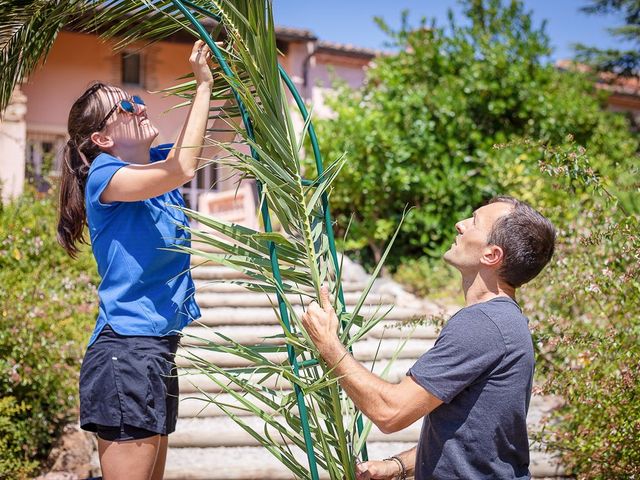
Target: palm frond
{"points": [[27, 33], [303, 250]]}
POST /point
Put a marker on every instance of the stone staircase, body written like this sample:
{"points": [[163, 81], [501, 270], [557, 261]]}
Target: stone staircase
{"points": [[207, 445]]}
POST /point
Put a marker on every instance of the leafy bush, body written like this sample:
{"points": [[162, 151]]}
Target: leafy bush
{"points": [[585, 312], [47, 307], [420, 131], [13, 457]]}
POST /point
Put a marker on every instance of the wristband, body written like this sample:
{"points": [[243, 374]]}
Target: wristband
{"points": [[403, 471]]}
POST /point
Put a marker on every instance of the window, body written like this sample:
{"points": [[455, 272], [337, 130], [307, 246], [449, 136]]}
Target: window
{"points": [[131, 69], [43, 158], [204, 181]]}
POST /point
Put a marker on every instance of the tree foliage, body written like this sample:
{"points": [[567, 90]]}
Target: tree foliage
{"points": [[420, 131], [624, 62]]}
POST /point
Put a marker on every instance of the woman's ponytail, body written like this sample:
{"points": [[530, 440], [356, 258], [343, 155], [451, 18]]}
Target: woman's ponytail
{"points": [[84, 117], [72, 214]]}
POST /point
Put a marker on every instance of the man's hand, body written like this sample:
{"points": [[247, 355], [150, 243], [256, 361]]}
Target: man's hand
{"points": [[321, 321], [377, 470]]}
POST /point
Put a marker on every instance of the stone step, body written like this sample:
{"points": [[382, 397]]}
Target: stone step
{"points": [[196, 334], [208, 270], [197, 260], [217, 272], [191, 380], [350, 270], [199, 405], [256, 463], [221, 359], [267, 316], [365, 350], [205, 247], [254, 299], [199, 431]]}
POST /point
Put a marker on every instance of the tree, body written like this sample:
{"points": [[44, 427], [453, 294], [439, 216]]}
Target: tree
{"points": [[420, 131], [27, 32], [625, 63]]}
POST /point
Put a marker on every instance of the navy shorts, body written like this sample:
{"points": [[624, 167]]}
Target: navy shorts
{"points": [[129, 386]]}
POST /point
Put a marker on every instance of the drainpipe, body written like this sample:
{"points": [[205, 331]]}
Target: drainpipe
{"points": [[311, 48], [13, 145]]}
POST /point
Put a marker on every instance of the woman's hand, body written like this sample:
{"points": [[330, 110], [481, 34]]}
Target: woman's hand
{"points": [[199, 60], [377, 470]]}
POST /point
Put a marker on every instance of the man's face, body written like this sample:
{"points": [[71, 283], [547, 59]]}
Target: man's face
{"points": [[470, 246]]}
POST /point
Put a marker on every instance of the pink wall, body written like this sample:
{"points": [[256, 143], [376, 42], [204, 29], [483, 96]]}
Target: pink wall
{"points": [[77, 59]]}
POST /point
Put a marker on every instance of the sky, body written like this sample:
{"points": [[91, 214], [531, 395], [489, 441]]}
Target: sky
{"points": [[351, 21]]}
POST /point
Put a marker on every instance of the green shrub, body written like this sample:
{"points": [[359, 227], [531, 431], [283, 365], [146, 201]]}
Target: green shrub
{"points": [[47, 307], [585, 313], [14, 458]]}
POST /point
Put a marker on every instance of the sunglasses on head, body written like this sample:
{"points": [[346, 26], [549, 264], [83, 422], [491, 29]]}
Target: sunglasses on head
{"points": [[127, 106]]}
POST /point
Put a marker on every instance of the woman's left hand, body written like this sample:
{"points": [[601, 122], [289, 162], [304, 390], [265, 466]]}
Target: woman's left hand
{"points": [[199, 60]]}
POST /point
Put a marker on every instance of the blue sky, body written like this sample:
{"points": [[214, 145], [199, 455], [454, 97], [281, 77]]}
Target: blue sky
{"points": [[350, 21]]}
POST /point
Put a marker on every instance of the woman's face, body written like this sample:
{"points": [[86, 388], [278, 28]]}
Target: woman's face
{"points": [[126, 129]]}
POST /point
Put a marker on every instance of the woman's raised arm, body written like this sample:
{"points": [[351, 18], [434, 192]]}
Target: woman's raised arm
{"points": [[141, 181]]}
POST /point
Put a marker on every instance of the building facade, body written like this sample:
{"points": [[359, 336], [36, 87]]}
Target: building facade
{"points": [[33, 131]]}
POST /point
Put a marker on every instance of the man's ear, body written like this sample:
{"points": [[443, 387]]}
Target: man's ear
{"points": [[492, 256], [101, 140]]}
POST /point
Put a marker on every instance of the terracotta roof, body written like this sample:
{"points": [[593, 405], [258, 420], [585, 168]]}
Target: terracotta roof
{"points": [[605, 80], [287, 34], [290, 33], [348, 49]]}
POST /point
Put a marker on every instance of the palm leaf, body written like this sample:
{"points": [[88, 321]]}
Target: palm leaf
{"points": [[275, 163], [27, 33]]}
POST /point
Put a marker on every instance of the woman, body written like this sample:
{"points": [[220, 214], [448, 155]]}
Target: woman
{"points": [[123, 190]]}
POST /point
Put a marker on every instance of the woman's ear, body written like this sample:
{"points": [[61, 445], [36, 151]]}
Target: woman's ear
{"points": [[101, 140]]}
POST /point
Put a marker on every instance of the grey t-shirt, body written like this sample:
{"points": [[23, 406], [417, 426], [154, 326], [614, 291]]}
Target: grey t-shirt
{"points": [[481, 367]]}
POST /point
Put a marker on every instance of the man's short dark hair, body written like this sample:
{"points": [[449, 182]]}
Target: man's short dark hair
{"points": [[527, 239]]}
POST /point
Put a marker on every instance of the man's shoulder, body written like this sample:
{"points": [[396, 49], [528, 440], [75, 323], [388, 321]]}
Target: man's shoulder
{"points": [[471, 322], [500, 315], [507, 319]]}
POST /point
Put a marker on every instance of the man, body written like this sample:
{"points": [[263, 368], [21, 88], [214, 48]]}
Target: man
{"points": [[473, 387]]}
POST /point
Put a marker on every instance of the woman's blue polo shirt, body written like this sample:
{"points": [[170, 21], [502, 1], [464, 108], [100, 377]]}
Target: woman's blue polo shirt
{"points": [[145, 290]]}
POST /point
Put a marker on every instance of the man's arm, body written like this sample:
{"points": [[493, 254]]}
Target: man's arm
{"points": [[390, 406]]}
